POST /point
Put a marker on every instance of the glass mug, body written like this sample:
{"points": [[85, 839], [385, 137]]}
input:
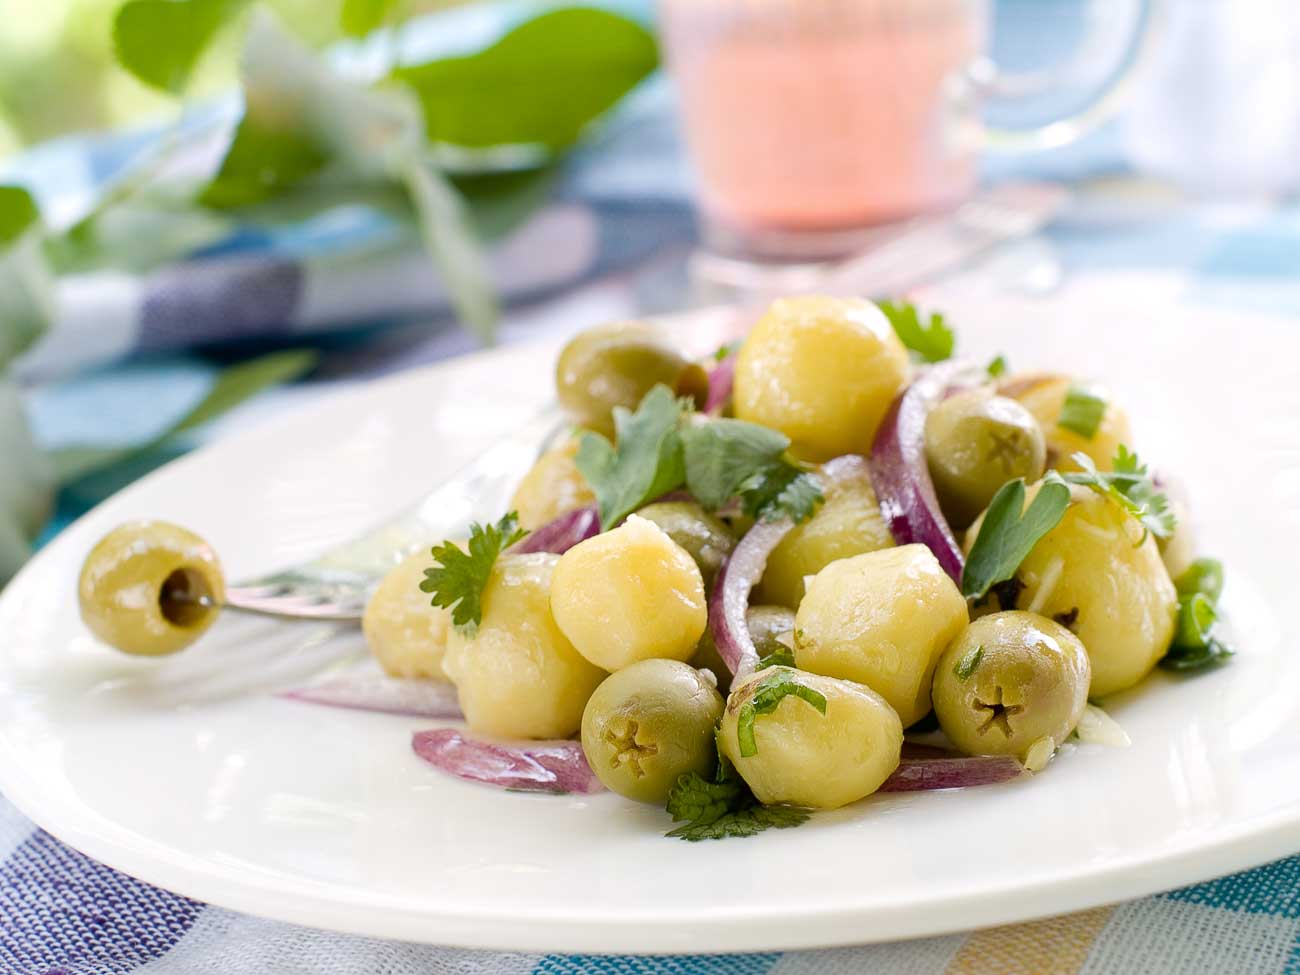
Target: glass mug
{"points": [[810, 122]]}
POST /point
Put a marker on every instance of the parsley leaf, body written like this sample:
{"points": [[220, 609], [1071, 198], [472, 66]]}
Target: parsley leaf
{"points": [[997, 367], [646, 463], [457, 579], [1131, 487], [932, 342], [1010, 531], [1081, 412], [768, 694], [730, 458], [968, 662], [717, 810]]}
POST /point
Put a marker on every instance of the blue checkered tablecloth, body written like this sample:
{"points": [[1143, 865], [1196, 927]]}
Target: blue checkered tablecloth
{"points": [[619, 217]]}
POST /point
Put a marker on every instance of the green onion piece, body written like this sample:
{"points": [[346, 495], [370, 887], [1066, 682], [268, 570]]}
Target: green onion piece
{"points": [[1204, 576], [1196, 618], [1081, 412]]}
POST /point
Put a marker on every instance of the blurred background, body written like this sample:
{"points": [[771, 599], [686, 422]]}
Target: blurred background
{"points": [[211, 210]]}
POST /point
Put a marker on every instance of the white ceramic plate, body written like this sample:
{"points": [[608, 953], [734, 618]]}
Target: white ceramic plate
{"points": [[187, 773]]}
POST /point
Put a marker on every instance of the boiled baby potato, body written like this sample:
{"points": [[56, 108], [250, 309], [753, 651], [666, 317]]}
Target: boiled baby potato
{"points": [[517, 675], [552, 487], [848, 523], [881, 619], [406, 634], [802, 757], [630, 594], [821, 370], [1096, 573], [1044, 396]]}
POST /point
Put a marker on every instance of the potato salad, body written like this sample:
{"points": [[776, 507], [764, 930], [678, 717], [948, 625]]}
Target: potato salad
{"points": [[832, 560]]}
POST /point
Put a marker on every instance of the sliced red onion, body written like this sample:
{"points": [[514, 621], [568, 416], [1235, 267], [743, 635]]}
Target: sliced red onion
{"points": [[721, 380], [928, 774], [535, 766], [900, 475], [378, 692], [730, 598], [561, 533]]}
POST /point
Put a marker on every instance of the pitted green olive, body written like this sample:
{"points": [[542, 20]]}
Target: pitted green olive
{"points": [[704, 537], [975, 442], [616, 365], [1010, 680], [648, 725], [150, 588], [770, 627]]}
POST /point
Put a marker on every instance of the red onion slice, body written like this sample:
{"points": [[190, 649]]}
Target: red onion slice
{"points": [[900, 475], [730, 598], [722, 378], [928, 774], [561, 533], [386, 695], [537, 766]]}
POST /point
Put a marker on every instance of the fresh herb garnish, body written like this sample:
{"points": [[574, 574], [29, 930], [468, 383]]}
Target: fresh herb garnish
{"points": [[732, 458], [1196, 618], [1081, 412], [723, 808], [457, 579], [1010, 531], [646, 463], [768, 694], [931, 342], [997, 367], [1131, 487], [727, 350], [1214, 652], [782, 656], [1203, 576], [968, 662], [1196, 645]]}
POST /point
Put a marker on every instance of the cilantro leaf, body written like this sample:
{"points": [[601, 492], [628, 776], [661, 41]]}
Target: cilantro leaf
{"points": [[1081, 412], [646, 462], [732, 458], [457, 579], [997, 367], [717, 810], [768, 694], [931, 342], [1010, 531], [968, 662], [1131, 487]]}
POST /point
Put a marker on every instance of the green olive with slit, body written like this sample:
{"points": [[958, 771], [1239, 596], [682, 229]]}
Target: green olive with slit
{"points": [[1008, 681], [616, 365], [976, 441], [649, 724], [704, 537], [150, 588], [770, 627]]}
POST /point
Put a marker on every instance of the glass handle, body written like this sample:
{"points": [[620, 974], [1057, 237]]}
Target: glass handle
{"points": [[987, 80]]}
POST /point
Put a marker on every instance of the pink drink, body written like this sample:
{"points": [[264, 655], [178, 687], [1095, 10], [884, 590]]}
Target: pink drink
{"points": [[812, 120]]}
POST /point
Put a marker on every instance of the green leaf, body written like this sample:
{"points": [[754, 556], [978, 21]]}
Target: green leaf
{"points": [[1007, 535], [722, 809], [18, 213], [1196, 618], [931, 342], [1082, 412], [459, 576], [1204, 576], [964, 667], [261, 162], [359, 17], [1184, 659], [732, 458], [767, 696], [743, 822], [1130, 486], [782, 656], [26, 484], [543, 82], [646, 463], [233, 386], [160, 41], [997, 367]]}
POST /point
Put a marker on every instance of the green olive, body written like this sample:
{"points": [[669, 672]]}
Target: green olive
{"points": [[704, 537], [648, 725], [770, 627], [150, 588], [616, 365], [976, 441], [1008, 681]]}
